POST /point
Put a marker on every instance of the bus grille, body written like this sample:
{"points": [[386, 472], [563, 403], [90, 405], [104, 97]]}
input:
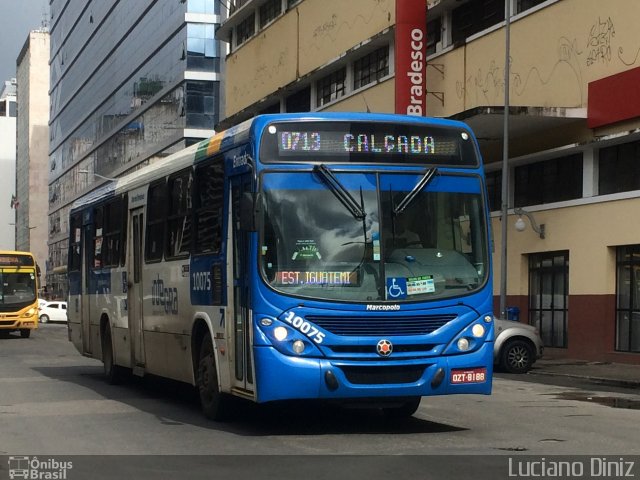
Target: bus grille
{"points": [[371, 349], [4, 323], [383, 375], [381, 326]]}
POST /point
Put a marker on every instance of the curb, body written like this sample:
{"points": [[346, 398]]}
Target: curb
{"points": [[598, 380]]}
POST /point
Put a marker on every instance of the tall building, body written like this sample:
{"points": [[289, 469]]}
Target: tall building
{"points": [[32, 153], [8, 164], [574, 128], [132, 81]]}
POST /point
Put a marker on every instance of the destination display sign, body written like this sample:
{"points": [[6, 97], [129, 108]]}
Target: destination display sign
{"points": [[15, 260], [367, 142], [314, 278]]}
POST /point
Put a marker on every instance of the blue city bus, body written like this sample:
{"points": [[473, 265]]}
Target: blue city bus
{"points": [[335, 256]]}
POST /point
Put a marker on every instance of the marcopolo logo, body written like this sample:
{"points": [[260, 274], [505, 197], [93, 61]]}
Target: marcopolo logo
{"points": [[38, 469], [382, 308]]}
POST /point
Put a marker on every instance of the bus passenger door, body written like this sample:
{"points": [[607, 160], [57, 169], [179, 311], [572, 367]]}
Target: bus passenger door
{"points": [[135, 292], [243, 374]]}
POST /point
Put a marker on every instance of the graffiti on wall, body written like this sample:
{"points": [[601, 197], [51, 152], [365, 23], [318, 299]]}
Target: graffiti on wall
{"points": [[486, 84], [599, 41]]}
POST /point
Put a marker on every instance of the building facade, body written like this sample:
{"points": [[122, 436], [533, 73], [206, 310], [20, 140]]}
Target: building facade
{"points": [[8, 113], [132, 81], [574, 130], [32, 152]]}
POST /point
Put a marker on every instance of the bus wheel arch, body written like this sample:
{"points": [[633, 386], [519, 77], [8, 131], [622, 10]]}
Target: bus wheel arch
{"points": [[214, 403], [112, 372]]}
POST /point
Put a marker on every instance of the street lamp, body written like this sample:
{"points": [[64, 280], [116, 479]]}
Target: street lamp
{"points": [[505, 163], [87, 172], [521, 225], [28, 227]]}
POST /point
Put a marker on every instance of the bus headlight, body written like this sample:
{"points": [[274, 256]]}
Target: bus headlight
{"points": [[280, 333], [471, 338], [477, 330], [29, 312], [298, 346], [285, 339]]}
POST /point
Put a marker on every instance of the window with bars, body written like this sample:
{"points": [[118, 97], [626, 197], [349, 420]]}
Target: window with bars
{"points": [[474, 16], [371, 67], [494, 189], [550, 181], [628, 299], [434, 34], [548, 296], [619, 168], [331, 87], [527, 4], [245, 29], [299, 101], [269, 11]]}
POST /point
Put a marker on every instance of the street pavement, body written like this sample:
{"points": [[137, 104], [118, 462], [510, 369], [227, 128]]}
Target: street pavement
{"points": [[603, 373]]}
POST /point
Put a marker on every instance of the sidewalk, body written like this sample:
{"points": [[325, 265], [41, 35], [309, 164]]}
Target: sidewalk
{"points": [[613, 374]]}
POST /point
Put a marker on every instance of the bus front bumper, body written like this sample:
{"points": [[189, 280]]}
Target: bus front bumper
{"points": [[18, 323], [281, 377]]}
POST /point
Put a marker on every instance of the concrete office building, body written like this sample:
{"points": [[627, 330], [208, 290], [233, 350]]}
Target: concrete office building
{"points": [[7, 163], [32, 153], [574, 137], [132, 81]]}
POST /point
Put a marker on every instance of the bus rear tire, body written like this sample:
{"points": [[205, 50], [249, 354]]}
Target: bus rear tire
{"points": [[215, 404], [404, 410], [25, 332], [112, 372]]}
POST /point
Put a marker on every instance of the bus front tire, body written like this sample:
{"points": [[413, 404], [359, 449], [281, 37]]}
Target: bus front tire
{"points": [[405, 410], [25, 332], [112, 372], [214, 403]]}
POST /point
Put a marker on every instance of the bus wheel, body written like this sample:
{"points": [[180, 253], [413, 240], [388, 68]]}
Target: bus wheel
{"points": [[112, 372], [25, 332], [214, 403], [405, 410]]}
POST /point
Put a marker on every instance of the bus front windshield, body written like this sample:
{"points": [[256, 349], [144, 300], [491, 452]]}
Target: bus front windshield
{"points": [[17, 289], [373, 237]]}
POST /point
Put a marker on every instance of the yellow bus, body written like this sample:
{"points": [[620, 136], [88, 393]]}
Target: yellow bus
{"points": [[18, 292]]}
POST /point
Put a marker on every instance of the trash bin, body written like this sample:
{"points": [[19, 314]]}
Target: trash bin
{"points": [[513, 313]]}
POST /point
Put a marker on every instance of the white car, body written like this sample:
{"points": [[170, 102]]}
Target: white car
{"points": [[516, 346], [53, 312]]}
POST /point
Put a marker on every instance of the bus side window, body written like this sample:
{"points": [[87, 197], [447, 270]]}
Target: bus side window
{"points": [[112, 233], [98, 238], [208, 203], [178, 239], [74, 243], [156, 216]]}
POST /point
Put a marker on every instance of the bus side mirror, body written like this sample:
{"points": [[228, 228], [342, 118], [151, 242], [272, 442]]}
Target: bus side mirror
{"points": [[249, 210]]}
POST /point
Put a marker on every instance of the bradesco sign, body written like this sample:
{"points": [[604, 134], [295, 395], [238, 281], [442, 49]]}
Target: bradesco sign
{"points": [[410, 54]]}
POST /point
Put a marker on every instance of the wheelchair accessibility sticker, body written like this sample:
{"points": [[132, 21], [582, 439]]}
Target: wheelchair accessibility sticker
{"points": [[396, 288]]}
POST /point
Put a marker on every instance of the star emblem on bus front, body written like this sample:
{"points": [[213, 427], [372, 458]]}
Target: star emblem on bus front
{"points": [[384, 348]]}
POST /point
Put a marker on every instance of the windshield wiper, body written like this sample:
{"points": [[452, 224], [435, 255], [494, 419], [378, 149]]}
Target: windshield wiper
{"points": [[424, 181], [351, 204]]}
